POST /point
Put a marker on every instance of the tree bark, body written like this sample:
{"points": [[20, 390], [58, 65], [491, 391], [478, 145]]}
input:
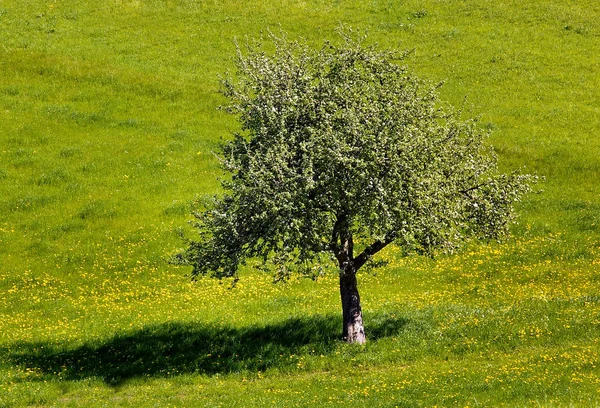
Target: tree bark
{"points": [[353, 329]]}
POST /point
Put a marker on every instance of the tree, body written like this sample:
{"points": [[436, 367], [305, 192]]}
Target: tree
{"points": [[342, 151]]}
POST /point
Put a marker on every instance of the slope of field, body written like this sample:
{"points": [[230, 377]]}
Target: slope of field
{"points": [[108, 121]]}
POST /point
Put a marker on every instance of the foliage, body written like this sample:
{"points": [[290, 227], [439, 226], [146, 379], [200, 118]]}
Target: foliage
{"points": [[342, 144]]}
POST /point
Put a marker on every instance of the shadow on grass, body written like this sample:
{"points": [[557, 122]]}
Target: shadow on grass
{"points": [[178, 348]]}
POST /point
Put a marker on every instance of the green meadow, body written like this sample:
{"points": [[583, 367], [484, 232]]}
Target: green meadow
{"points": [[108, 123]]}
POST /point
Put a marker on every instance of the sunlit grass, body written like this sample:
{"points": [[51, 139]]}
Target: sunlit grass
{"points": [[108, 122], [518, 332]]}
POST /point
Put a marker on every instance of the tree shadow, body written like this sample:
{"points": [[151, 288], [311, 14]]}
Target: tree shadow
{"points": [[179, 348]]}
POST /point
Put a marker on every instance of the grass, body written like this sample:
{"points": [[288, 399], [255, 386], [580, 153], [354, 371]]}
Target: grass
{"points": [[107, 123]]}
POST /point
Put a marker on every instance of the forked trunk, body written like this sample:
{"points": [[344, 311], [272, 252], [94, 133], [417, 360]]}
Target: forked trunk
{"points": [[353, 331]]}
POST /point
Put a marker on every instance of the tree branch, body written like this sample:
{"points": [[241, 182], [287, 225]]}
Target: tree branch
{"points": [[371, 250], [466, 191]]}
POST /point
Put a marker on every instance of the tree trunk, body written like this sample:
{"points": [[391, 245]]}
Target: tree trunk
{"points": [[354, 331]]}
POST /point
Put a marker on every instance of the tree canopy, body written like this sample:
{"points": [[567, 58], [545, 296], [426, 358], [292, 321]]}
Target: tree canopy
{"points": [[342, 151]]}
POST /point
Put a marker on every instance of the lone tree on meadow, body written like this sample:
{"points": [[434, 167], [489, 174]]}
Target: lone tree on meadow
{"points": [[342, 152]]}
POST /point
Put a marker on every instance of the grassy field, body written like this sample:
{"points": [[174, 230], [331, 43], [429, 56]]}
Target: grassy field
{"points": [[108, 121]]}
